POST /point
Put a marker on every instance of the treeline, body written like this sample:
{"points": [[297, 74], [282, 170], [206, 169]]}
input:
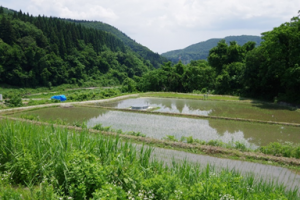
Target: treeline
{"points": [[42, 51], [222, 73], [270, 71]]}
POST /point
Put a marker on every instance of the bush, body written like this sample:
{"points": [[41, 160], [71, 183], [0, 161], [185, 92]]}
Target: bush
{"points": [[84, 175], [129, 85], [99, 127], [204, 91], [109, 192], [170, 138], [14, 101], [239, 145], [286, 149], [189, 139], [217, 143]]}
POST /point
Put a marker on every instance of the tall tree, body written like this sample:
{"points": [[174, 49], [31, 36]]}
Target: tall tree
{"points": [[6, 30]]}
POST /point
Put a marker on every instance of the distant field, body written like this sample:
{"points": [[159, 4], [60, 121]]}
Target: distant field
{"points": [[195, 96]]}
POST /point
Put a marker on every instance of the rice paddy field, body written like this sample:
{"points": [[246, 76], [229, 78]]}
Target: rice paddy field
{"points": [[251, 134], [232, 109], [48, 162]]}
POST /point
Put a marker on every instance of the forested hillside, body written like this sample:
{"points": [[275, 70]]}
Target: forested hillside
{"points": [[201, 50], [155, 59], [42, 51]]}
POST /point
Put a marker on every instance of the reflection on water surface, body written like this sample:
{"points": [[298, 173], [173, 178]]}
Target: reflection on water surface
{"points": [[257, 111], [159, 126]]}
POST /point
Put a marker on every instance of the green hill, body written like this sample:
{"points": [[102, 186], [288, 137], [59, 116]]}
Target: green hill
{"points": [[200, 50], [141, 50], [46, 51]]}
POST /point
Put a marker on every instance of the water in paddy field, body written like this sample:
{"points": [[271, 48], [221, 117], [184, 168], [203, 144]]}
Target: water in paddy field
{"points": [[245, 110], [159, 126]]}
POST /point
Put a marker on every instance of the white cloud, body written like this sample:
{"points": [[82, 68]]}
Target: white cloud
{"points": [[88, 10], [164, 25]]}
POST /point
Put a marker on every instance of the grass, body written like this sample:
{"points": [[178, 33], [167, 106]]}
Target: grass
{"points": [[4, 89], [58, 163], [78, 94], [72, 96]]}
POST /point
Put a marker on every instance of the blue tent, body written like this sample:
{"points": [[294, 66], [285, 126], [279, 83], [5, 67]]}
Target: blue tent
{"points": [[59, 97]]}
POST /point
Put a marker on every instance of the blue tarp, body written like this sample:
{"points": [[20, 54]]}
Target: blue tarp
{"points": [[59, 97]]}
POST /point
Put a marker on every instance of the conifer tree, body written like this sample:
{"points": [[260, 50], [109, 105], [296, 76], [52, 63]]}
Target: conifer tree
{"points": [[1, 10], [6, 33]]}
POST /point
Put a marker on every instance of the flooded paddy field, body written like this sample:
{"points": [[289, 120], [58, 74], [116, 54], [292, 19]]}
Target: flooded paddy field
{"points": [[159, 126], [232, 109]]}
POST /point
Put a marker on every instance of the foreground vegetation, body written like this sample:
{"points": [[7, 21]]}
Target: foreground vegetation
{"points": [[54, 162]]}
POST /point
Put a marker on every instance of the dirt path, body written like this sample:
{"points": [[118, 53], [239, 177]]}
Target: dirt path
{"points": [[69, 103]]}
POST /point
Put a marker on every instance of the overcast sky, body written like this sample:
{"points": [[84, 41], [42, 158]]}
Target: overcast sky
{"points": [[164, 25]]}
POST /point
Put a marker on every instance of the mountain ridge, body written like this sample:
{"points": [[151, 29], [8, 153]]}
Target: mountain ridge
{"points": [[200, 50]]}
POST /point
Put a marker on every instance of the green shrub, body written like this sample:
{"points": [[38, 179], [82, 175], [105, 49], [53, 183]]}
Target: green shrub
{"points": [[83, 175], [23, 168], [217, 143], [239, 145], [9, 194], [204, 91], [170, 138], [129, 85], [99, 127], [109, 192], [286, 149], [296, 152], [14, 101], [189, 140], [182, 139], [138, 134], [196, 92]]}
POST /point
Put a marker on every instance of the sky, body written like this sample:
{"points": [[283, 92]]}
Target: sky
{"points": [[165, 25]]}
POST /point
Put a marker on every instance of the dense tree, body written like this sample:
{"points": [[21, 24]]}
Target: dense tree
{"points": [[275, 64], [218, 56], [6, 30], [40, 50], [198, 75]]}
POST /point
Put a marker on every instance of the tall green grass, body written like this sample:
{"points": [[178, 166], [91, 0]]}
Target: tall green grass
{"points": [[56, 162], [286, 149]]}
